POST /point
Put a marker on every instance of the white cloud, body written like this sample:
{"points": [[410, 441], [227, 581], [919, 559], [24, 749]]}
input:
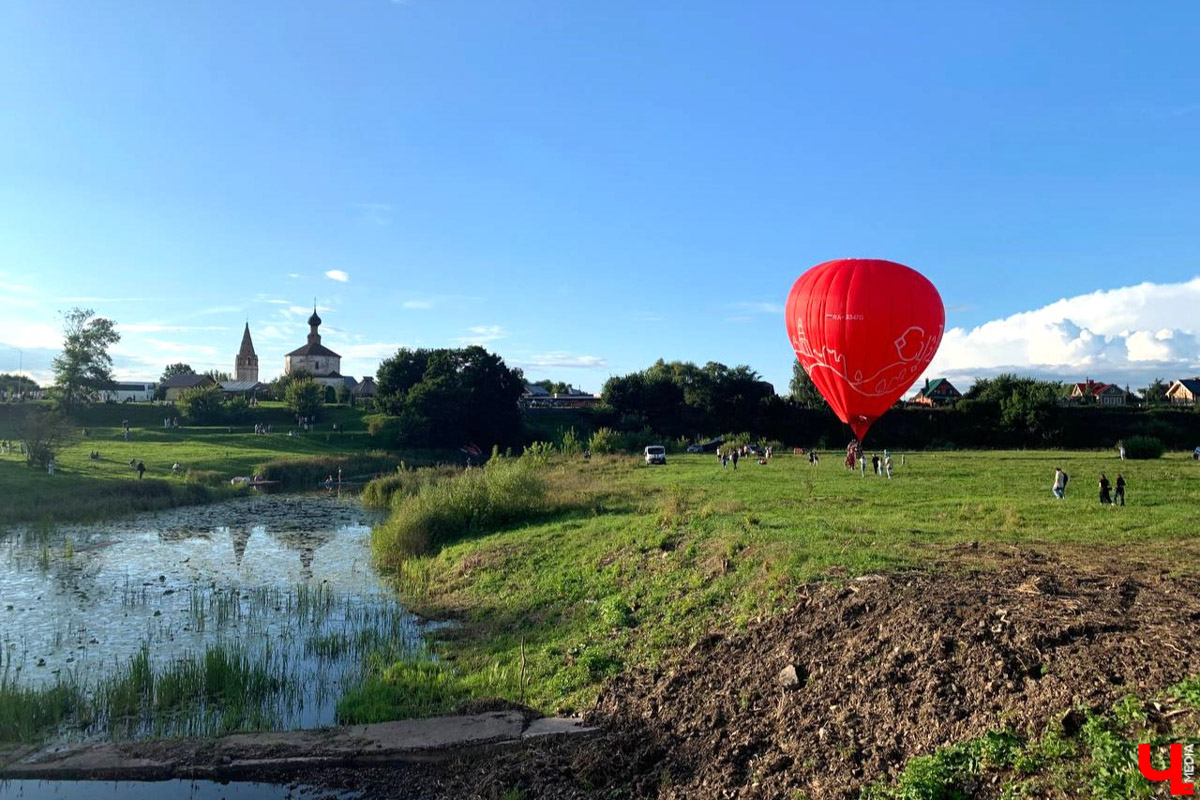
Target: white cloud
{"points": [[482, 334], [337, 275], [563, 360], [32, 335], [1125, 335], [419, 305]]}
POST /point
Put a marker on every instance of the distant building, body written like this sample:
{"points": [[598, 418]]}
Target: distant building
{"points": [[1104, 394], [178, 384], [536, 396], [937, 392], [366, 388], [245, 365], [247, 388], [1184, 392], [127, 392], [315, 358]]}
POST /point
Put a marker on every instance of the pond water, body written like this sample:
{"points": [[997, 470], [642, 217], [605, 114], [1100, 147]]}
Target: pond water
{"points": [[274, 594]]}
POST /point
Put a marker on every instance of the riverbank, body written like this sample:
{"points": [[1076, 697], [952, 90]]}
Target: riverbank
{"points": [[641, 572]]}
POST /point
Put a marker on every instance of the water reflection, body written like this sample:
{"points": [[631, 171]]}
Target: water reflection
{"points": [[78, 602]]}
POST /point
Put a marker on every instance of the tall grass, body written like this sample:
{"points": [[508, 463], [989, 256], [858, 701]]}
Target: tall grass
{"points": [[505, 491], [405, 482], [308, 472]]}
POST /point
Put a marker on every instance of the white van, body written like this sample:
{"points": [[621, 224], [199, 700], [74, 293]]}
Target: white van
{"points": [[656, 454]]}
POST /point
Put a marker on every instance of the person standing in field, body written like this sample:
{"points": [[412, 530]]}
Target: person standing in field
{"points": [[735, 457], [1121, 449], [141, 469], [1120, 494], [1060, 484], [887, 464], [1105, 499]]}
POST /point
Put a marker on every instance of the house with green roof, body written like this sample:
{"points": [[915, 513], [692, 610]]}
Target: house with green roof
{"points": [[937, 392]]}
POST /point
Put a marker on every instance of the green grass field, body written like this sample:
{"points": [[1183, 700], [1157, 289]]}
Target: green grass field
{"points": [[639, 559], [83, 488]]}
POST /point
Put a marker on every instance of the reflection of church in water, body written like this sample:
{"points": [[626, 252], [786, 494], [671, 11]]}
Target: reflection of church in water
{"points": [[306, 543]]}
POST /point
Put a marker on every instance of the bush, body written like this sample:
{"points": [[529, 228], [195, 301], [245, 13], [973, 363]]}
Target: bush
{"points": [[503, 492], [1143, 447], [203, 405], [604, 442], [206, 477]]}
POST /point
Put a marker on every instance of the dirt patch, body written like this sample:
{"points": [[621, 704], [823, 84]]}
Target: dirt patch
{"points": [[862, 675]]}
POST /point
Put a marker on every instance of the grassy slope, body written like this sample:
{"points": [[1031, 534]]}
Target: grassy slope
{"points": [[645, 558], [81, 483]]}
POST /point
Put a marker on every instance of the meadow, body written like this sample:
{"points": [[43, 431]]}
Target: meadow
{"points": [[83, 488], [620, 562]]}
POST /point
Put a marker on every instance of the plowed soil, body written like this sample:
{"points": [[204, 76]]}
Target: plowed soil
{"points": [[860, 676]]}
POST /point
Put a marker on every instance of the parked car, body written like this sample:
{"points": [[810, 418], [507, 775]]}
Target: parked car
{"points": [[695, 448], [755, 450], [656, 454]]}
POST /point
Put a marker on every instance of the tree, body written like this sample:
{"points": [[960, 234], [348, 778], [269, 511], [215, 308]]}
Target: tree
{"points": [[280, 384], [45, 432], [202, 405], [553, 387], [11, 384], [84, 369], [176, 369], [451, 397], [304, 397], [804, 391], [1156, 392], [218, 375]]}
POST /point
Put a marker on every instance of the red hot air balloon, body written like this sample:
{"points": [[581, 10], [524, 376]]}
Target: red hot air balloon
{"points": [[864, 330]]}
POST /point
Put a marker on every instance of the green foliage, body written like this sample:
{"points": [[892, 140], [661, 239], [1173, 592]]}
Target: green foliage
{"points": [[604, 442], [1156, 392], [405, 482], [505, 491], [1143, 447], [304, 397], [406, 688], [679, 398], [451, 397], [45, 432], [202, 405], [308, 472], [569, 443], [10, 383], [84, 368], [803, 391]]}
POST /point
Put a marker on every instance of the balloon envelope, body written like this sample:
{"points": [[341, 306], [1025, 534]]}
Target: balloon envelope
{"points": [[864, 330]]}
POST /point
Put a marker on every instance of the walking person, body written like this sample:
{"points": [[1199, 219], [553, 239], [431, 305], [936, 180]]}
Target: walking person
{"points": [[1060, 484], [875, 463], [1120, 493], [1121, 449], [735, 457], [887, 464], [1105, 499], [141, 470]]}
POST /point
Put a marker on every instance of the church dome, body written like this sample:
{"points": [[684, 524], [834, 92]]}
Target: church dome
{"points": [[314, 319]]}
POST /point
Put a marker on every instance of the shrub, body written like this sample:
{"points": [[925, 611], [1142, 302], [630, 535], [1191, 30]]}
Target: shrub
{"points": [[503, 492], [570, 444], [1143, 447], [203, 405], [604, 441], [206, 477]]}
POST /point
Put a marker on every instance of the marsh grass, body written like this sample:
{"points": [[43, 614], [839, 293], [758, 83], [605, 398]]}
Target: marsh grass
{"points": [[504, 492], [405, 482]]}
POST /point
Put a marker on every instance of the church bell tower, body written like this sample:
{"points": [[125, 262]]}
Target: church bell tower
{"points": [[246, 365]]}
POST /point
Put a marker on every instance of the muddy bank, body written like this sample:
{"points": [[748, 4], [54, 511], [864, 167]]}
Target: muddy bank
{"points": [[856, 679]]}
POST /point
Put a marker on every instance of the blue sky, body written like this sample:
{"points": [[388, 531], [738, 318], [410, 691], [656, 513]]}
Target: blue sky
{"points": [[586, 187]]}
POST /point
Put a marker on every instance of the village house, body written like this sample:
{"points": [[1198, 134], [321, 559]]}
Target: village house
{"points": [[1184, 392], [937, 392], [1096, 392], [176, 385]]}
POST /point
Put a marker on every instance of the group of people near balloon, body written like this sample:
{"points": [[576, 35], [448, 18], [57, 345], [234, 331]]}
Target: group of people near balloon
{"points": [[855, 457]]}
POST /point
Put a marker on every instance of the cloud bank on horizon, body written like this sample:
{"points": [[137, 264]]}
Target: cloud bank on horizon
{"points": [[1132, 335]]}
